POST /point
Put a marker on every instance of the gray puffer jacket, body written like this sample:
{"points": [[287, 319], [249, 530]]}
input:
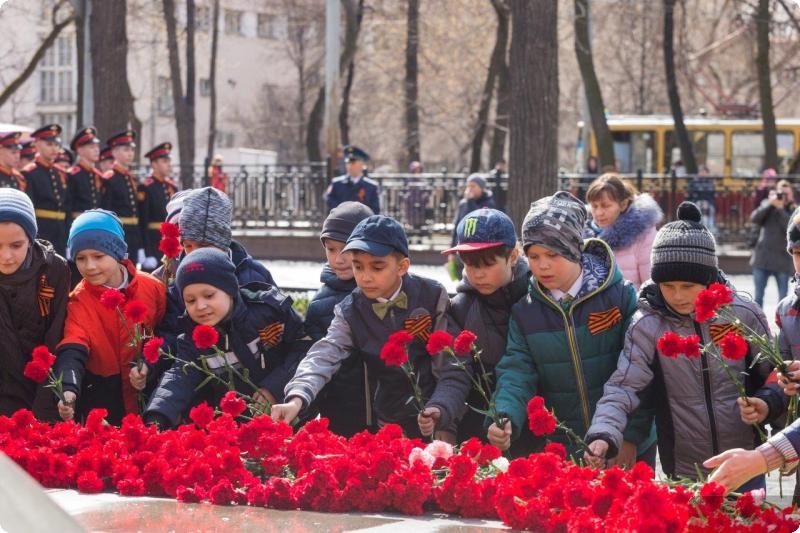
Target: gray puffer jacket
{"points": [[697, 414]]}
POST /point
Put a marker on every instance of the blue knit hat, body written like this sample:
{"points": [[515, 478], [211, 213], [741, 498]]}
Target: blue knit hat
{"points": [[97, 229], [16, 207], [210, 266]]}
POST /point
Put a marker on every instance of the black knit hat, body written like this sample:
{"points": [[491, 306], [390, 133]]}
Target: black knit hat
{"points": [[793, 231], [684, 250], [210, 266], [343, 219]]}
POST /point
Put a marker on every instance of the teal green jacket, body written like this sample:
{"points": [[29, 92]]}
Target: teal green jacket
{"points": [[566, 354]]}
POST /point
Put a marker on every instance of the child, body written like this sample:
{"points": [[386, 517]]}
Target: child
{"points": [[565, 336], [387, 299], [257, 328], [495, 278], [94, 356], [697, 402], [344, 401], [476, 196], [34, 287]]}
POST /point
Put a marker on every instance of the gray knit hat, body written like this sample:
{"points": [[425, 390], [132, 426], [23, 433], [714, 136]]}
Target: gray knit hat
{"points": [[343, 219], [16, 207], [206, 217], [556, 222], [684, 250], [478, 180]]}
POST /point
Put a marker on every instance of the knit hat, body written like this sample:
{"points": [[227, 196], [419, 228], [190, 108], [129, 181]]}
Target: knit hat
{"points": [[478, 180], [206, 217], [556, 222], [175, 206], [684, 250], [97, 229], [343, 219], [210, 266], [793, 231], [16, 207]]}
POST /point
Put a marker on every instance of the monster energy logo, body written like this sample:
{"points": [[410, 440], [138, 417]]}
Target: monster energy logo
{"points": [[470, 227]]}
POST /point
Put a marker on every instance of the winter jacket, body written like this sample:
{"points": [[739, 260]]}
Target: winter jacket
{"points": [[787, 317], [770, 250], [33, 306], [94, 355], [356, 331], [631, 237], [467, 206], [262, 337], [566, 354], [697, 414], [320, 310]]}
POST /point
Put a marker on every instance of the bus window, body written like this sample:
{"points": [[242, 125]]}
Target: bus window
{"points": [[634, 150], [709, 150], [747, 151]]}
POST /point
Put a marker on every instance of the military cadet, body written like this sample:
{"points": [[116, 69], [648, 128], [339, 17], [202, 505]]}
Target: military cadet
{"points": [[47, 187], [9, 161], [86, 181], [106, 161], [121, 190], [157, 190], [354, 186], [27, 153]]}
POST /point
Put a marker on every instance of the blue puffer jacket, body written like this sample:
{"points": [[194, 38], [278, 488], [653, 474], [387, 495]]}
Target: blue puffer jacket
{"points": [[269, 362], [320, 310]]}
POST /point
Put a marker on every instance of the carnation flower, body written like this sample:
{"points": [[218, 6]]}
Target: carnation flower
{"points": [[670, 344], [733, 346], [36, 371], [691, 346], [556, 448], [42, 354], [112, 298], [170, 247], [463, 342], [204, 336], [401, 337], [440, 449], [135, 311], [418, 455], [170, 230], [232, 404], [709, 300], [501, 463], [540, 420], [393, 354], [438, 341], [201, 415], [152, 350]]}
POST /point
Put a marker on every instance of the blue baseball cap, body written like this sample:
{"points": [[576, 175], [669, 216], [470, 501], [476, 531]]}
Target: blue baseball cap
{"points": [[482, 229], [378, 235]]}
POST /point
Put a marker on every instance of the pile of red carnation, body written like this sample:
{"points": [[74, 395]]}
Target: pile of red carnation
{"points": [[261, 463]]}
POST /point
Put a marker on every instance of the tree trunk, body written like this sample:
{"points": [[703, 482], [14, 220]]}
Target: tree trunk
{"points": [[497, 150], [344, 110], [212, 81], [533, 165], [315, 120], [37, 56], [80, 44], [594, 95], [411, 83], [685, 143], [183, 103], [763, 18], [496, 62], [113, 101]]}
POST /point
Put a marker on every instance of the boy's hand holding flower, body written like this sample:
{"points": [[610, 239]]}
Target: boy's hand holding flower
{"points": [[286, 412], [67, 410], [595, 455], [500, 437], [752, 410], [789, 380], [138, 377]]}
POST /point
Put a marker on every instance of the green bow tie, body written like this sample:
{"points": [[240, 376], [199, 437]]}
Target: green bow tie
{"points": [[381, 308]]}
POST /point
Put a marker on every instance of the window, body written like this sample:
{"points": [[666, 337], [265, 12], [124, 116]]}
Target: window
{"points": [[65, 120], [267, 26], [233, 21], [709, 150], [634, 150], [747, 151], [224, 139], [202, 18], [164, 102], [57, 73], [205, 87]]}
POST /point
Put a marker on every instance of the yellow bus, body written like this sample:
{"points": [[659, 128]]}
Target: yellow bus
{"points": [[728, 147]]}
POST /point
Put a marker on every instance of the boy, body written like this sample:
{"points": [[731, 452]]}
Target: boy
{"points": [[387, 299], [476, 196], [495, 278], [565, 336], [257, 328], [344, 401], [94, 356], [697, 401]]}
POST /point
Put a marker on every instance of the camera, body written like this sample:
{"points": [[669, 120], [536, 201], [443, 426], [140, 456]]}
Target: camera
{"points": [[780, 196]]}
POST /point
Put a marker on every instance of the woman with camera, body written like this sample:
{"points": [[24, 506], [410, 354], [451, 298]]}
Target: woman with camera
{"points": [[770, 257]]}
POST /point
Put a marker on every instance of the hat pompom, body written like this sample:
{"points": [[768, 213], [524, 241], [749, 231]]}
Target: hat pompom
{"points": [[689, 211]]}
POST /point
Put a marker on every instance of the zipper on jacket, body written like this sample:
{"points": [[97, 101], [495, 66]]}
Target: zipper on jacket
{"points": [[707, 392]]}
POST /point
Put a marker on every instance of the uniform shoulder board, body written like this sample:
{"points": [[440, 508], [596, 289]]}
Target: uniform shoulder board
{"points": [[370, 181], [107, 175], [29, 167], [74, 170], [61, 168], [340, 179], [148, 181], [171, 182]]}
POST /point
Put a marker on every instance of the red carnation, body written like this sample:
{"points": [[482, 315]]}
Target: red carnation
{"points": [[202, 415], [438, 341], [112, 298], [170, 230], [205, 336], [42, 354], [709, 300], [401, 337], [36, 371], [733, 346], [542, 422], [170, 247], [135, 311], [152, 350], [90, 483], [232, 404], [464, 341], [691, 346], [393, 354], [670, 344], [556, 448], [535, 403]]}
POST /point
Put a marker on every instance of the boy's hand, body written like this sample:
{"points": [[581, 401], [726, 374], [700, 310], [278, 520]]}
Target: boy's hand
{"points": [[427, 420], [736, 466], [263, 398], [138, 377], [754, 413], [500, 437], [288, 411], [626, 457], [597, 457], [67, 412], [788, 381]]}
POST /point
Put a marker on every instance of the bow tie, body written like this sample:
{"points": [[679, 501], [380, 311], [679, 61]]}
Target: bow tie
{"points": [[381, 308]]}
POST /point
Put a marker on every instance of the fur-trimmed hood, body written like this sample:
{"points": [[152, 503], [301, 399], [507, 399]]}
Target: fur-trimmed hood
{"points": [[642, 214]]}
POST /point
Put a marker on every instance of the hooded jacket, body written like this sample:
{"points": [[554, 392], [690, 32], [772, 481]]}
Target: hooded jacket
{"points": [[467, 206], [697, 414]]}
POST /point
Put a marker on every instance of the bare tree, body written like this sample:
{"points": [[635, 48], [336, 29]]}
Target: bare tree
{"points": [[591, 87], [503, 98], [212, 81], [533, 168], [183, 100], [684, 142], [55, 31], [344, 109], [765, 85], [411, 102]]}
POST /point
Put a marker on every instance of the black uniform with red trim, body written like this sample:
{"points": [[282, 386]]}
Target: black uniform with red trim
{"points": [[11, 177], [154, 193], [47, 188], [86, 182], [121, 196]]}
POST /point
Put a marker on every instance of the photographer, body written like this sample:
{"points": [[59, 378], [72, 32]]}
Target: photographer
{"points": [[769, 256]]}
